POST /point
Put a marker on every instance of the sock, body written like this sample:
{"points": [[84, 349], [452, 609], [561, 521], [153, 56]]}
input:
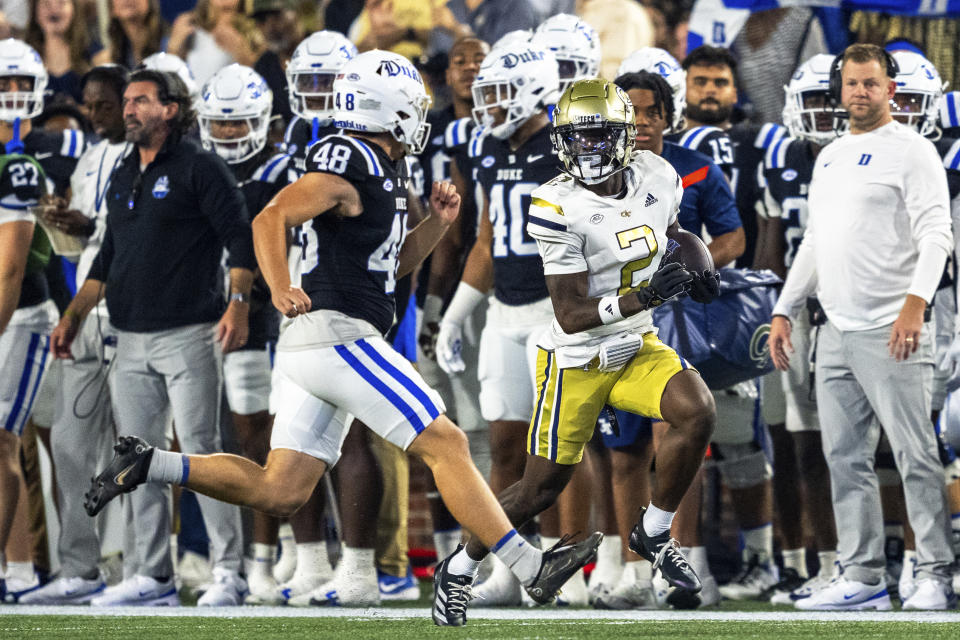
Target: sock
{"points": [[796, 559], [167, 466], [356, 562], [264, 555], [22, 571], [697, 557], [656, 521], [312, 558], [758, 541], [641, 570], [828, 564], [608, 558], [445, 542], [522, 558], [463, 565], [910, 562]]}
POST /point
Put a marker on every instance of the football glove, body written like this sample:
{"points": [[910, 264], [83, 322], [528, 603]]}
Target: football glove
{"points": [[669, 280], [450, 348], [704, 287]]}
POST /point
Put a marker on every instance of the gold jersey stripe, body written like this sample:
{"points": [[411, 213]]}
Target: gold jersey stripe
{"points": [[540, 202]]}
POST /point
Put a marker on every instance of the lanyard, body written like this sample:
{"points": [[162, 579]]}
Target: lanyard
{"points": [[100, 195]]}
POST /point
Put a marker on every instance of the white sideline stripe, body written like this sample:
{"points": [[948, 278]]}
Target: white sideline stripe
{"points": [[584, 615]]}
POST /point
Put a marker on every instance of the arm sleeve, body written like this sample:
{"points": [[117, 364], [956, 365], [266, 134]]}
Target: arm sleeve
{"points": [[223, 204], [927, 200], [560, 249], [718, 209]]}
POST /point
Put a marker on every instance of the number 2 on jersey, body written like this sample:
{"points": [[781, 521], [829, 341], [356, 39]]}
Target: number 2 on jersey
{"points": [[626, 239]]}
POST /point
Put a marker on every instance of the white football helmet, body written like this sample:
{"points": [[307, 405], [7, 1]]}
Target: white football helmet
{"points": [[919, 89], [575, 45], [950, 110], [807, 112], [312, 70], [173, 64], [233, 97], [19, 59], [518, 79], [656, 60], [381, 91], [520, 36]]}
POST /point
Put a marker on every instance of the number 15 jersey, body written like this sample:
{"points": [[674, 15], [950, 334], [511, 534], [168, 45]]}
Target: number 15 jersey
{"points": [[350, 263], [619, 242]]}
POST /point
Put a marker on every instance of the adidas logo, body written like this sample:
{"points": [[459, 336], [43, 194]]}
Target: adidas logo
{"points": [[650, 200]]}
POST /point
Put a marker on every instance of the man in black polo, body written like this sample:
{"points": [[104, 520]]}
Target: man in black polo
{"points": [[172, 209]]}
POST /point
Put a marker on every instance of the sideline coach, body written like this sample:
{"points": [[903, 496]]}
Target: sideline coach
{"points": [[172, 209]]}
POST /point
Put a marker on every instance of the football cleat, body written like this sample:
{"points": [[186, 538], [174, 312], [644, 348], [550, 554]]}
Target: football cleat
{"points": [[63, 591], [451, 593], [126, 471], [664, 553], [930, 595], [805, 590], [394, 588], [559, 563], [228, 590], [754, 579]]}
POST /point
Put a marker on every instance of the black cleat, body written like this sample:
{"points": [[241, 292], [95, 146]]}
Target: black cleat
{"points": [[559, 563], [451, 593], [664, 553], [126, 472]]}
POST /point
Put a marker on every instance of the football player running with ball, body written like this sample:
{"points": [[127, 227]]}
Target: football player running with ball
{"points": [[333, 360], [601, 228]]}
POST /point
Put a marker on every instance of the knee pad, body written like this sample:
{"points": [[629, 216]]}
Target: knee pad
{"points": [[742, 465]]}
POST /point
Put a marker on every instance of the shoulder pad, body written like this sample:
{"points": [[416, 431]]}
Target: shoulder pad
{"points": [[271, 170], [73, 143], [769, 134], [475, 148], [776, 156], [693, 138], [951, 159], [458, 133]]}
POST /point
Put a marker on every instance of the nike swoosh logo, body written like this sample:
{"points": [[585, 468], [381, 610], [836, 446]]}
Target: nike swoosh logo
{"points": [[90, 173], [120, 477], [42, 155], [847, 597], [534, 158]]}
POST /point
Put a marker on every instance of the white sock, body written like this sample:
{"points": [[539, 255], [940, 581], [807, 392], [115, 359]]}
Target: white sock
{"points": [[522, 558], [609, 561], [697, 557], [759, 542], [22, 571], [312, 558], [463, 565], [796, 559], [445, 542], [909, 562], [356, 562], [656, 521], [167, 466], [828, 564], [264, 555]]}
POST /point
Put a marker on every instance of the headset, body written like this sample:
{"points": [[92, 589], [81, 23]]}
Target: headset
{"points": [[836, 82]]}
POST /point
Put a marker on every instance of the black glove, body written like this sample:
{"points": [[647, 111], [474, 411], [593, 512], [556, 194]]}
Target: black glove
{"points": [[705, 287], [668, 281]]}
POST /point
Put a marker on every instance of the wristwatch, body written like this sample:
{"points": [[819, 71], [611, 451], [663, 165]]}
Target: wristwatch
{"points": [[240, 297]]}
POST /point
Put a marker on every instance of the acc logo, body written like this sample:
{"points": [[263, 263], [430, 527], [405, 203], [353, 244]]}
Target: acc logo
{"points": [[353, 77], [488, 162], [161, 188], [789, 175], [596, 218], [513, 59], [392, 68], [759, 347], [388, 185]]}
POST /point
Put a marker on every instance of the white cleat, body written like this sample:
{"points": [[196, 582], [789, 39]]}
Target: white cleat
{"points": [[753, 580], [347, 591], [194, 571], [501, 589], [847, 595], [807, 589], [227, 590], [263, 590], [635, 595], [931, 595], [139, 591], [65, 591], [297, 592]]}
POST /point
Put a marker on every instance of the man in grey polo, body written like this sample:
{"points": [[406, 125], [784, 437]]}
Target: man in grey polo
{"points": [[171, 210], [874, 250]]}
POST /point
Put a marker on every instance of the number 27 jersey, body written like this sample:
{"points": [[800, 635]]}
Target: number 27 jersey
{"points": [[350, 263]]}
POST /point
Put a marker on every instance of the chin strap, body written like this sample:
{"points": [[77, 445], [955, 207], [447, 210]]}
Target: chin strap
{"points": [[16, 144]]}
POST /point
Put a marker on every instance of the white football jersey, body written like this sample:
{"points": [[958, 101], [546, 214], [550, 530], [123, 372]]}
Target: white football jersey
{"points": [[619, 242]]}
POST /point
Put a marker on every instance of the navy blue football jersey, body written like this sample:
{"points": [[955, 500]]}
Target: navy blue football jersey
{"points": [[712, 142], [750, 143], [949, 150], [57, 152], [787, 170], [350, 263], [300, 135], [707, 202], [507, 178], [259, 179]]}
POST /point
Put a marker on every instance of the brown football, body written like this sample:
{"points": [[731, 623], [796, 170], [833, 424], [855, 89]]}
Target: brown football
{"points": [[691, 252]]}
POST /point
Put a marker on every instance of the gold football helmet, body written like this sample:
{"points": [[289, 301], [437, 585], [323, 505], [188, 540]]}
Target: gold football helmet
{"points": [[593, 130]]}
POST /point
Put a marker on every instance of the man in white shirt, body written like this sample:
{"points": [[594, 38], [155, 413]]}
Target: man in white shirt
{"points": [[875, 246]]}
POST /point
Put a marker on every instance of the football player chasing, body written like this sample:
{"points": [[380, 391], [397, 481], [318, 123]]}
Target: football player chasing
{"points": [[601, 228], [333, 359]]}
